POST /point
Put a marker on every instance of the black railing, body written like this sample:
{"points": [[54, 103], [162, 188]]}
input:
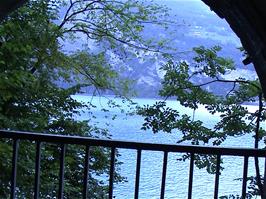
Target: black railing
{"points": [[113, 144]]}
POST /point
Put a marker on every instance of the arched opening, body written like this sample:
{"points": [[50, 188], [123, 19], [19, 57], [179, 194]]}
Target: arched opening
{"points": [[252, 53]]}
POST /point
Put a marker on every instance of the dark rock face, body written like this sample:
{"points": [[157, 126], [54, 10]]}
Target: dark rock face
{"points": [[7, 6], [247, 19]]}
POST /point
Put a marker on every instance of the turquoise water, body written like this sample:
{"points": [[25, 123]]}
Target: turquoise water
{"points": [[128, 128]]}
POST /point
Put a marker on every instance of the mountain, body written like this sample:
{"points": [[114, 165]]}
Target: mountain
{"points": [[195, 25]]}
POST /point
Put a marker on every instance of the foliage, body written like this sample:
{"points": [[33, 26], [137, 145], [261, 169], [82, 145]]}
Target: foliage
{"points": [[180, 82], [39, 73]]}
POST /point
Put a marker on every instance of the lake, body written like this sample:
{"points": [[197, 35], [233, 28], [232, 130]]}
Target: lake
{"points": [[128, 128]]}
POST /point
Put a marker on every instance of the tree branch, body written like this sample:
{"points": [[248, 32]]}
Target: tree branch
{"points": [[224, 81], [67, 18], [256, 146], [231, 90]]}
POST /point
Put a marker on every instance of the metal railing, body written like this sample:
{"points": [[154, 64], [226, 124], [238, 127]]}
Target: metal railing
{"points": [[113, 144]]}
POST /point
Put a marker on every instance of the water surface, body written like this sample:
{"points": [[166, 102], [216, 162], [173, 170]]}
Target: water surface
{"points": [[128, 128]]}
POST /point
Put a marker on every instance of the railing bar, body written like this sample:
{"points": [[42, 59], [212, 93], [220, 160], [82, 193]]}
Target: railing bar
{"points": [[224, 151], [217, 175], [14, 169], [111, 175], [37, 170], [62, 171], [245, 173], [164, 174], [17, 136], [137, 174], [264, 184], [86, 172], [191, 169]]}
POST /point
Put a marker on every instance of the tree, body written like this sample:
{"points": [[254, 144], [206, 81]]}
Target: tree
{"points": [[33, 60], [180, 82]]}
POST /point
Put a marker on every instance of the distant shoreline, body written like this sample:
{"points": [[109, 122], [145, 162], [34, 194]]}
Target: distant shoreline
{"points": [[153, 98]]}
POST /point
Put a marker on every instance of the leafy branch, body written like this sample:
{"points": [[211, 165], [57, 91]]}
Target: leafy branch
{"points": [[181, 82]]}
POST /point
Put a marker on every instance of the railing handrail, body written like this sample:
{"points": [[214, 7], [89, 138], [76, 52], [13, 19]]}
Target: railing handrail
{"points": [[64, 140], [78, 140]]}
